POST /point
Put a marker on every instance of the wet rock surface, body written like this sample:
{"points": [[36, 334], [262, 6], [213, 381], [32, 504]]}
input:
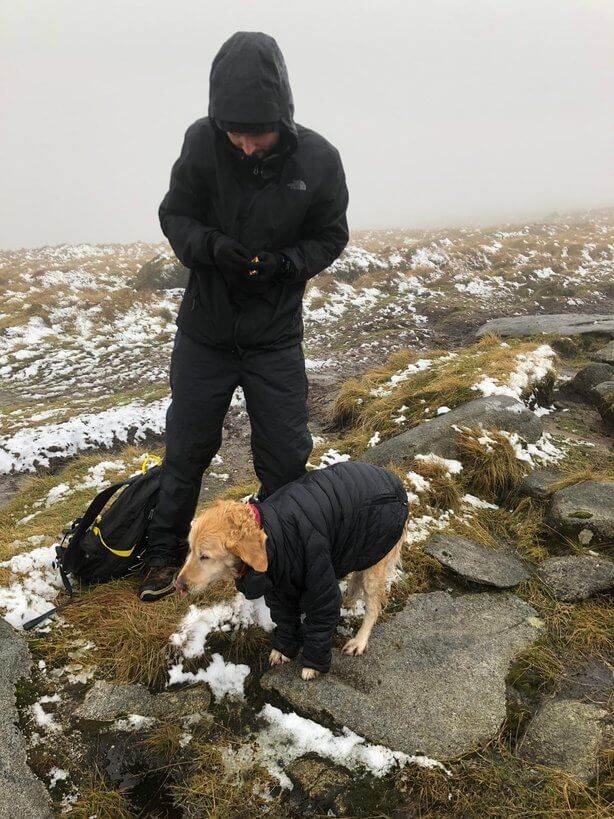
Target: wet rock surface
{"points": [[566, 735], [22, 795], [584, 510], [605, 354], [440, 437], [588, 378], [563, 324], [105, 702], [480, 564], [432, 680], [576, 577], [538, 484]]}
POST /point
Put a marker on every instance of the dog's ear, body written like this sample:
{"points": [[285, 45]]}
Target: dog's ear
{"points": [[252, 550]]}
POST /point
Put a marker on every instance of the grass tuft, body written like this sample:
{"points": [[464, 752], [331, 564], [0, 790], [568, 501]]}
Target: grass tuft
{"points": [[490, 466], [97, 799], [131, 638]]}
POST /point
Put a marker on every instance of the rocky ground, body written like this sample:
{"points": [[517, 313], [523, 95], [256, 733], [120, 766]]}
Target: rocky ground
{"points": [[478, 364]]}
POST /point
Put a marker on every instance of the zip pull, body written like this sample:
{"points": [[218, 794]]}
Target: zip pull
{"points": [[256, 170]]}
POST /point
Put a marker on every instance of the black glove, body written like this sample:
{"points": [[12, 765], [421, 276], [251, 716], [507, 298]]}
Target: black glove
{"points": [[273, 267], [230, 257]]}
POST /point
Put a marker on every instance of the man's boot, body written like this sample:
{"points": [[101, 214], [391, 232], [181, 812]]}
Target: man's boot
{"points": [[159, 581]]}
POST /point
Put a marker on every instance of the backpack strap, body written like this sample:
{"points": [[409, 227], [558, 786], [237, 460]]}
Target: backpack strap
{"points": [[95, 507], [83, 524]]}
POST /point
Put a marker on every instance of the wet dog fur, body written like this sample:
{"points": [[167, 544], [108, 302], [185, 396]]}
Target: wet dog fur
{"points": [[226, 535]]}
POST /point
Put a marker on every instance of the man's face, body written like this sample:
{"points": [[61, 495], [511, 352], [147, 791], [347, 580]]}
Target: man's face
{"points": [[254, 144]]}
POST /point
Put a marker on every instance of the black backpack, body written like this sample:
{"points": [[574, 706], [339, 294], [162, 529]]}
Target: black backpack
{"points": [[107, 545]]}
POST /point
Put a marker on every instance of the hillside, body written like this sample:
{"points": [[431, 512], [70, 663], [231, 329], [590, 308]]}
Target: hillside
{"points": [[487, 687]]}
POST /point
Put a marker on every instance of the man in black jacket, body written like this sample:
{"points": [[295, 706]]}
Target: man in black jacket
{"points": [[256, 207]]}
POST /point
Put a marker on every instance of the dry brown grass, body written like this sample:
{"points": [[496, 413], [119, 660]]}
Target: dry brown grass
{"points": [[520, 528], [213, 789], [575, 630], [97, 799], [6, 577], [495, 784], [447, 382], [131, 638], [443, 492], [490, 466]]}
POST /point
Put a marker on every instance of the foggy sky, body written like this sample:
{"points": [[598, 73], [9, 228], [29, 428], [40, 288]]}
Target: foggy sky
{"points": [[445, 111]]}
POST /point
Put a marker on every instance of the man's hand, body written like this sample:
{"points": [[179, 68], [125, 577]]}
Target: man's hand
{"points": [[270, 267], [230, 257]]}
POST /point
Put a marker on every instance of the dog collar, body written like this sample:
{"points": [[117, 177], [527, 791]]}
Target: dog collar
{"points": [[257, 514]]}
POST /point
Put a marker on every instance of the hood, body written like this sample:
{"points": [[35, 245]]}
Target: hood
{"points": [[249, 82]]}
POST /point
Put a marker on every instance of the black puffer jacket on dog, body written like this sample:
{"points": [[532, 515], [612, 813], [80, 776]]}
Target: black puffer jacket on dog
{"points": [[320, 528]]}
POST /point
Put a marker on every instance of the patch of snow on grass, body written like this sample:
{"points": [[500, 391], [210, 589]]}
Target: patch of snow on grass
{"points": [[331, 456], [478, 503], [224, 678], [199, 622], [34, 592], [531, 368], [289, 736], [451, 466], [32, 447]]}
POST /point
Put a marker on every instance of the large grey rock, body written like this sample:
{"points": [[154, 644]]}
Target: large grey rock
{"points": [[584, 510], [105, 702], [163, 272], [22, 795], [539, 483], [432, 679], [565, 324], [586, 379], [566, 735], [576, 577], [605, 354], [604, 399], [438, 435], [477, 563]]}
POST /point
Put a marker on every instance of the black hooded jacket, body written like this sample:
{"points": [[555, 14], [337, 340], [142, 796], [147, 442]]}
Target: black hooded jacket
{"points": [[292, 201], [320, 528]]}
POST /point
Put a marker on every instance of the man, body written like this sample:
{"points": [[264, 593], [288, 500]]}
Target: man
{"points": [[256, 207]]}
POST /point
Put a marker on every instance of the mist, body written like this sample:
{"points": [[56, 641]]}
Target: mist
{"points": [[445, 113]]}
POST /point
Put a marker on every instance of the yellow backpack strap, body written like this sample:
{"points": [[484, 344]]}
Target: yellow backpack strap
{"points": [[150, 460]]}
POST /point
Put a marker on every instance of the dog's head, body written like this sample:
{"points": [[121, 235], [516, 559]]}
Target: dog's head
{"points": [[221, 539]]}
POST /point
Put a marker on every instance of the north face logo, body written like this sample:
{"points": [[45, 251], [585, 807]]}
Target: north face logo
{"points": [[297, 185]]}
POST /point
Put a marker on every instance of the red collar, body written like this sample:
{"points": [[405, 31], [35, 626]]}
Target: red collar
{"points": [[257, 514], [243, 567]]}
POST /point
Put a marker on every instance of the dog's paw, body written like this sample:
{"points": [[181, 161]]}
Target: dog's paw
{"points": [[355, 647], [309, 674], [277, 658]]}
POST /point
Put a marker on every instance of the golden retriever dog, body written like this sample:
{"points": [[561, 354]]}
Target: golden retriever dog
{"points": [[226, 540]]}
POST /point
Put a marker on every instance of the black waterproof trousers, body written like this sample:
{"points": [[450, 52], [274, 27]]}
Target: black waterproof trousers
{"points": [[203, 380]]}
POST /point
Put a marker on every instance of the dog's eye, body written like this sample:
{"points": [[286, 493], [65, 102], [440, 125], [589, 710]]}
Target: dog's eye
{"points": [[203, 557]]}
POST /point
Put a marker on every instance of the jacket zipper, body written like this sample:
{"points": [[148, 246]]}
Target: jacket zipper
{"points": [[244, 214]]}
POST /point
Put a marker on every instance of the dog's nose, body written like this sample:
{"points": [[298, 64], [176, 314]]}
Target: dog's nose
{"points": [[181, 586]]}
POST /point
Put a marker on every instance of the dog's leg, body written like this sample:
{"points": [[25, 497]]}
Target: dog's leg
{"points": [[354, 588], [374, 582], [277, 658], [309, 674]]}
